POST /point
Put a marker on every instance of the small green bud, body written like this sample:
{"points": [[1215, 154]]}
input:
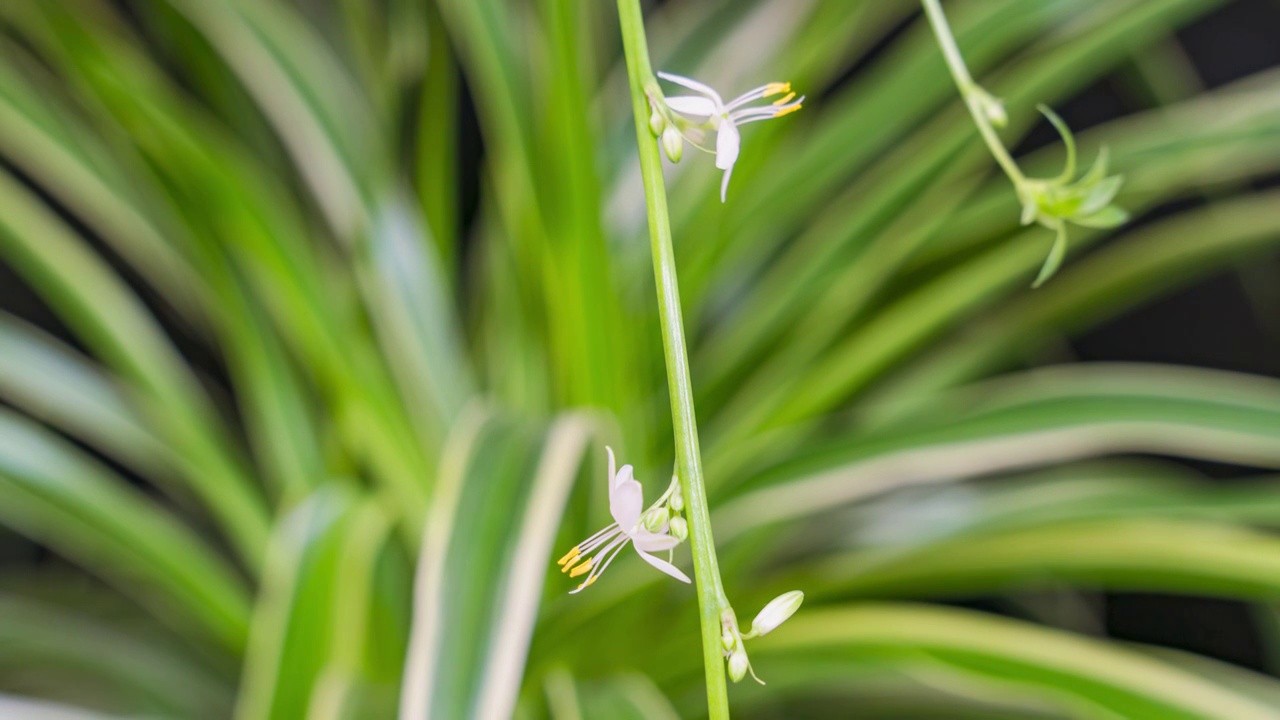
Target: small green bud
{"points": [[657, 123], [728, 640], [656, 518], [673, 144], [738, 665], [679, 528], [677, 497], [992, 107], [776, 612]]}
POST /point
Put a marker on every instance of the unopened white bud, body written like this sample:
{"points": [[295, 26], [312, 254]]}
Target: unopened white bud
{"points": [[677, 497], [776, 612], [679, 528], [656, 518], [738, 665], [657, 123], [673, 144]]}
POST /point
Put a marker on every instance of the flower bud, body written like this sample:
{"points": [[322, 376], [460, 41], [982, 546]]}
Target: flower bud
{"points": [[996, 113], [657, 123], [673, 144], [738, 665], [992, 107], [656, 518], [677, 497], [728, 640], [679, 528], [776, 612]]}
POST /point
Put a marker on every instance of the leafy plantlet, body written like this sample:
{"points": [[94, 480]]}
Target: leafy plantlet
{"points": [[1056, 201], [1052, 202]]}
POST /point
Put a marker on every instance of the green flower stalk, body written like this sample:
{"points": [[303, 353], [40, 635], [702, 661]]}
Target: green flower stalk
{"points": [[1052, 202], [711, 597], [690, 118]]}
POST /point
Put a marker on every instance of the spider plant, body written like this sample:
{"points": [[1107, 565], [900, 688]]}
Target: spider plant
{"points": [[314, 399]]}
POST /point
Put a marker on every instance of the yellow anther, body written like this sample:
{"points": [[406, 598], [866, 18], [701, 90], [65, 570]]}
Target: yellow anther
{"points": [[569, 557], [787, 110], [776, 89], [784, 100], [581, 569], [588, 582]]}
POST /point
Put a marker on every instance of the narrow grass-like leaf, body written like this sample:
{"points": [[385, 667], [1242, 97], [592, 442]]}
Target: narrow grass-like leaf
{"points": [[50, 381], [479, 576], [110, 318], [1122, 682], [1019, 435], [57, 497], [73, 650], [307, 641], [1147, 555], [35, 709]]}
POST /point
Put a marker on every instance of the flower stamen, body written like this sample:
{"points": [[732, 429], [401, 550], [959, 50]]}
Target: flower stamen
{"points": [[582, 568]]}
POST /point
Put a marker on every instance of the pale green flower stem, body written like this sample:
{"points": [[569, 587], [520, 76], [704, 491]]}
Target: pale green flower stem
{"points": [[711, 598], [971, 93]]}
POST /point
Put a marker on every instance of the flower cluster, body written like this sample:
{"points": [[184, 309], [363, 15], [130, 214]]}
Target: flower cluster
{"points": [[688, 117], [659, 528]]}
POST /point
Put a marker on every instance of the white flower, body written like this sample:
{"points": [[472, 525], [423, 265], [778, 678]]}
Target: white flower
{"points": [[626, 499], [725, 118]]}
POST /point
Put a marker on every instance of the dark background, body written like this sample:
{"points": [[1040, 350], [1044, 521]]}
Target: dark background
{"points": [[1230, 321]]}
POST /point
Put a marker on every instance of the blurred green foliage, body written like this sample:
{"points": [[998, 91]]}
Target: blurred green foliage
{"points": [[360, 521]]}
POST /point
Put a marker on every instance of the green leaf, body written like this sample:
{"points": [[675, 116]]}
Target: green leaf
{"points": [[1142, 555], [1068, 140], [57, 497], [110, 317], [1099, 196], [1098, 170], [1026, 420], [1119, 681], [35, 709], [52, 382], [485, 555], [1105, 219], [64, 650], [310, 638], [1056, 254]]}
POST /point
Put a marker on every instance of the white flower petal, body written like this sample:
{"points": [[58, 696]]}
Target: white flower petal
{"points": [[625, 474], [693, 85], [653, 542], [613, 465], [664, 566], [728, 142], [625, 503], [691, 105], [724, 185]]}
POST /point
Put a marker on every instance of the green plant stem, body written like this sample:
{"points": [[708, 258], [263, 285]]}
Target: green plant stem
{"points": [[711, 598], [970, 91]]}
